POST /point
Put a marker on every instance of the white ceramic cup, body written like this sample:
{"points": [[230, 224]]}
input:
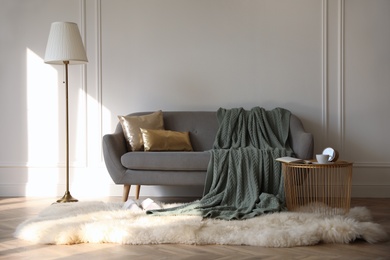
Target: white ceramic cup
{"points": [[322, 158]]}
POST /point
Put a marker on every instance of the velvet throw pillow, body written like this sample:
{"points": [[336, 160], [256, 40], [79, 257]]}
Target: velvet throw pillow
{"points": [[131, 128], [166, 140]]}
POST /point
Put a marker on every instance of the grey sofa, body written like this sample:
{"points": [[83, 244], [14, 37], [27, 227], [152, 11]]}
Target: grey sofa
{"points": [[179, 168]]}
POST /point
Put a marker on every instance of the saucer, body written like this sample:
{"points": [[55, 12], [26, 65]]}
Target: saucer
{"points": [[322, 163]]}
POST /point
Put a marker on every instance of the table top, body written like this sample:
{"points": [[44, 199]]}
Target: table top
{"points": [[315, 164]]}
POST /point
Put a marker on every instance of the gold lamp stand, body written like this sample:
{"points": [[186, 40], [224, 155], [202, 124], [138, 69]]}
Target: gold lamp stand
{"points": [[67, 197]]}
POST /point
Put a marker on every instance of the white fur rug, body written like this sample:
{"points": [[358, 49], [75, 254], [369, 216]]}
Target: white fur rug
{"points": [[98, 222]]}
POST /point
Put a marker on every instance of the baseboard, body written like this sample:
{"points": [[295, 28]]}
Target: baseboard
{"points": [[371, 191]]}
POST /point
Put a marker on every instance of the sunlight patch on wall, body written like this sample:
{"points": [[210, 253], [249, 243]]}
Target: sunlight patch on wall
{"points": [[88, 121], [42, 112], [77, 128], [42, 125]]}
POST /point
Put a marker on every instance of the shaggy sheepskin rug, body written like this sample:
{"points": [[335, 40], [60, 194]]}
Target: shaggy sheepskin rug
{"points": [[99, 222]]}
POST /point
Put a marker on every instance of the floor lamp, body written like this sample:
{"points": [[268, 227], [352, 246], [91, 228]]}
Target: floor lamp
{"points": [[65, 47]]}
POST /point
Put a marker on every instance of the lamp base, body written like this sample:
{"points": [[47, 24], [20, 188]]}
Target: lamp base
{"points": [[67, 198]]}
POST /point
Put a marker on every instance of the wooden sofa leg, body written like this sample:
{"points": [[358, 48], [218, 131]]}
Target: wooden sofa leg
{"points": [[126, 191], [137, 189]]}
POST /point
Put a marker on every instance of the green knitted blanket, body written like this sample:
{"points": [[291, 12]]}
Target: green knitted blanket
{"points": [[243, 179]]}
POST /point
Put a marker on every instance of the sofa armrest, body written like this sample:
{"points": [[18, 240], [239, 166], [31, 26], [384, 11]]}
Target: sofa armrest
{"points": [[301, 141], [114, 146]]}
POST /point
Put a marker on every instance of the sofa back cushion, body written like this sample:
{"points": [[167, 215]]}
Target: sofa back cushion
{"points": [[202, 126]]}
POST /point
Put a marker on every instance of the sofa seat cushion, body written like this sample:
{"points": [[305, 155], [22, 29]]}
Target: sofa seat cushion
{"points": [[166, 161]]}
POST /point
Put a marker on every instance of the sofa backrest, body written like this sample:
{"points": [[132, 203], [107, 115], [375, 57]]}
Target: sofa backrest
{"points": [[202, 125]]}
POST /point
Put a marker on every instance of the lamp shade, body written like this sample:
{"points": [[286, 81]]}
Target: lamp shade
{"points": [[65, 44]]}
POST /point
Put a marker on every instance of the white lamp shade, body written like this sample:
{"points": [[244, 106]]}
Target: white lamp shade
{"points": [[65, 44]]}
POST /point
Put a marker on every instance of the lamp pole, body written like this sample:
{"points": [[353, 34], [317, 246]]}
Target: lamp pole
{"points": [[67, 196]]}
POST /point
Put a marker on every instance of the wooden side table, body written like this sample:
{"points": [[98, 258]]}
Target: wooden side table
{"points": [[319, 188]]}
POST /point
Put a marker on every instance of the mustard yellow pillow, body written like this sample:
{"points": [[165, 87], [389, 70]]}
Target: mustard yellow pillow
{"points": [[131, 128], [166, 140]]}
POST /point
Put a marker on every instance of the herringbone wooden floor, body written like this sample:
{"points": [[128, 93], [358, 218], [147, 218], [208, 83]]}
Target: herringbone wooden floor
{"points": [[15, 210]]}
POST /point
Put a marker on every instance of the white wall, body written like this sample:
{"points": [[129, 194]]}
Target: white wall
{"points": [[328, 61]]}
